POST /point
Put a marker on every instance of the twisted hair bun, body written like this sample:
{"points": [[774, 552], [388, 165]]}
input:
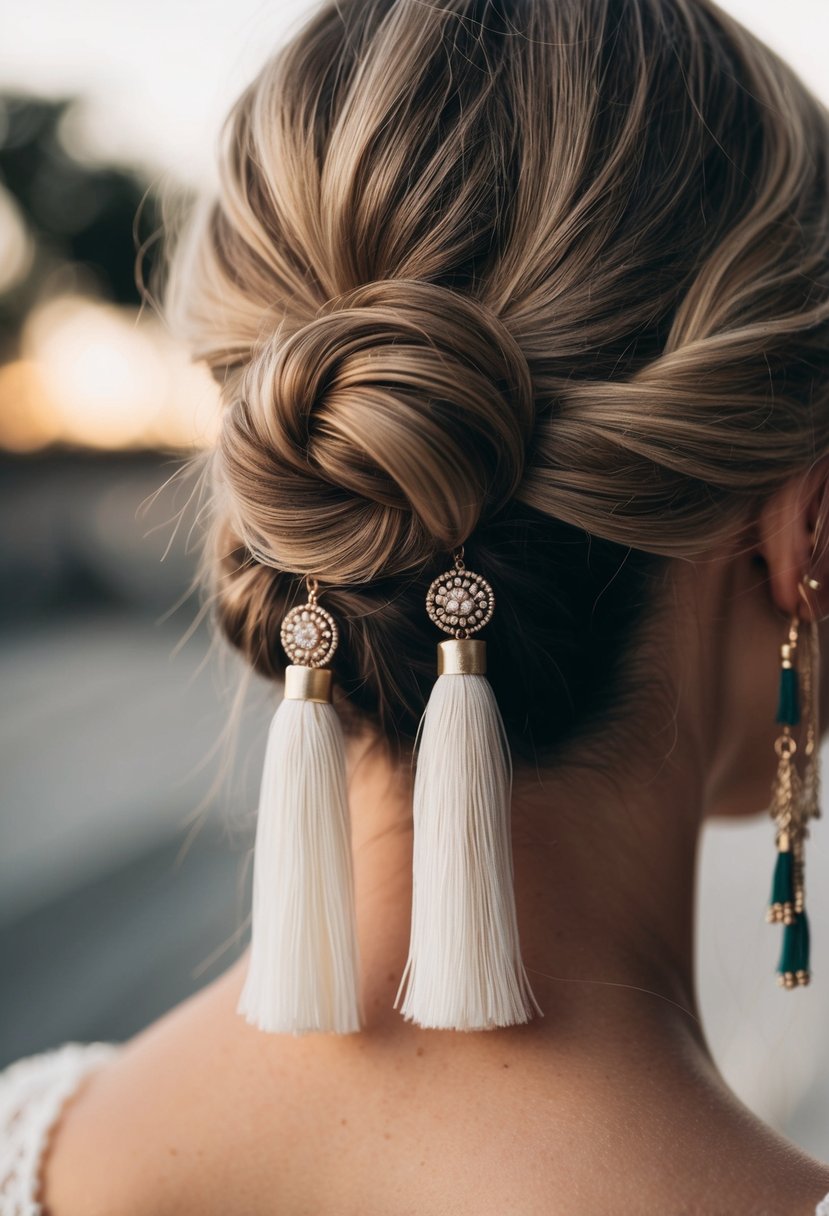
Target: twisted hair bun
{"points": [[378, 434], [550, 280]]}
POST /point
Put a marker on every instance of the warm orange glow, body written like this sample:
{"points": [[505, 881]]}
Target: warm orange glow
{"points": [[97, 375], [16, 245], [103, 376], [27, 419]]}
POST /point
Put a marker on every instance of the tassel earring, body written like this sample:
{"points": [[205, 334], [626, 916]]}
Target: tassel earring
{"points": [[795, 799], [464, 970], [303, 970]]}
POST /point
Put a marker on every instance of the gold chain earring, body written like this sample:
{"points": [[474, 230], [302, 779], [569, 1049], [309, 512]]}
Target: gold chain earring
{"points": [[811, 702], [795, 793]]}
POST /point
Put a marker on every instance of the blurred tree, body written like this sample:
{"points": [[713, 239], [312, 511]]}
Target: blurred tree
{"points": [[82, 216]]}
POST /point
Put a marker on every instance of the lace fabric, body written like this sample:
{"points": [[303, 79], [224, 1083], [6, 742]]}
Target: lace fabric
{"points": [[33, 1092]]}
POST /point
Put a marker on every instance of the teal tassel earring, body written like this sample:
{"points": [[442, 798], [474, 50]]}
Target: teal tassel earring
{"points": [[781, 907], [795, 799], [793, 966], [788, 703]]}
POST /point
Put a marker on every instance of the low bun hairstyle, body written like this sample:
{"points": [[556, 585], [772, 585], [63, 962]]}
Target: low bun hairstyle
{"points": [[377, 437], [548, 278]]}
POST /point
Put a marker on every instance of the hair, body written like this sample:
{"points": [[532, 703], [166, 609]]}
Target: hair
{"points": [[548, 279]]}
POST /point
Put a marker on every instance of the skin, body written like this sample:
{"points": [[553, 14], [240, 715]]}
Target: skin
{"points": [[611, 1102]]}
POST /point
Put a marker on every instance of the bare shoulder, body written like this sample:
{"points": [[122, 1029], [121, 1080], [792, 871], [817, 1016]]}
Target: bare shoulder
{"points": [[162, 1126], [200, 1113]]}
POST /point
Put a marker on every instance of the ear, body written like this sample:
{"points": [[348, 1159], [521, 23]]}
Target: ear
{"points": [[793, 531]]}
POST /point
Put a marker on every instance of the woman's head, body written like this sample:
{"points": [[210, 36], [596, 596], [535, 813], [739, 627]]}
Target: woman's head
{"points": [[549, 279]]}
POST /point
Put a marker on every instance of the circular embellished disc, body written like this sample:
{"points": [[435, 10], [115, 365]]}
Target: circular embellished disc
{"points": [[309, 635], [460, 602]]}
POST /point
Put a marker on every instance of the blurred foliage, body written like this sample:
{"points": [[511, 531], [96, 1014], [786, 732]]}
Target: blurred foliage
{"points": [[90, 217]]}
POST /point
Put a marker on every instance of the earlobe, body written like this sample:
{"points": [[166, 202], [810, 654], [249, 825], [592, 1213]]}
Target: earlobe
{"points": [[819, 528]]}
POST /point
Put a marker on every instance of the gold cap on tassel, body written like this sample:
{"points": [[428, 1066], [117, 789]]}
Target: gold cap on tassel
{"points": [[462, 657], [307, 683]]}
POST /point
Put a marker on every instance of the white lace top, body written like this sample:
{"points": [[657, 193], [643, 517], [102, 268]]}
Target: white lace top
{"points": [[33, 1092]]}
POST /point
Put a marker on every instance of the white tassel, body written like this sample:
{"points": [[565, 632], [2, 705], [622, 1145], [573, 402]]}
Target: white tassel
{"points": [[464, 970], [303, 970]]}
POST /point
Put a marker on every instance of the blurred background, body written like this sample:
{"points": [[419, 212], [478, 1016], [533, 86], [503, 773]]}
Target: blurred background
{"points": [[126, 814]]}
